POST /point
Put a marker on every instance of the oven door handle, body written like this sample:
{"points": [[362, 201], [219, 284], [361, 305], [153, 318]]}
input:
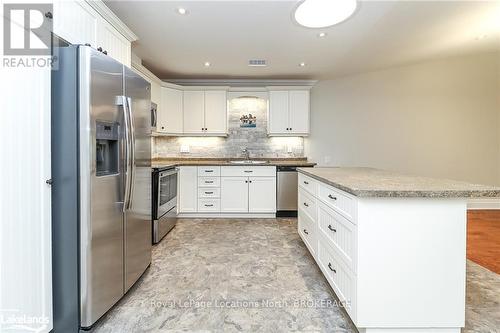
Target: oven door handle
{"points": [[169, 173]]}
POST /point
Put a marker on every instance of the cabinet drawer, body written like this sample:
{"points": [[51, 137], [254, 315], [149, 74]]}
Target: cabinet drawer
{"points": [[342, 280], [309, 184], [209, 192], [336, 199], [308, 232], [307, 204], [248, 171], [208, 205], [209, 181], [209, 171], [339, 233]]}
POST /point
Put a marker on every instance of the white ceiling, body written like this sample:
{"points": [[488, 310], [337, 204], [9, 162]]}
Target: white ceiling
{"points": [[229, 33]]}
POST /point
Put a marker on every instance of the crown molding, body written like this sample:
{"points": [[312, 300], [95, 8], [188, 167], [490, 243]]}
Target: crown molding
{"points": [[112, 19], [264, 83]]}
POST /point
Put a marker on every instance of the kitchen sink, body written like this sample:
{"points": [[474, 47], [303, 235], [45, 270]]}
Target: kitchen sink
{"points": [[248, 162]]}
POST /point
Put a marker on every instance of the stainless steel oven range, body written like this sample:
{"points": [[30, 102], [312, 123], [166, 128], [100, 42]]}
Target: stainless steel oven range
{"points": [[164, 201]]}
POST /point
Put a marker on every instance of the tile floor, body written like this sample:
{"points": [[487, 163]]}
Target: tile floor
{"points": [[252, 275]]}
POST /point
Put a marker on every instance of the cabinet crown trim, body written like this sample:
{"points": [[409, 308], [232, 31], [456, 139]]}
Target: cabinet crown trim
{"points": [[112, 19]]}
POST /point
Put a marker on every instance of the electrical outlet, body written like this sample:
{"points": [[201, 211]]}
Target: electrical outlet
{"points": [[289, 149], [184, 149]]}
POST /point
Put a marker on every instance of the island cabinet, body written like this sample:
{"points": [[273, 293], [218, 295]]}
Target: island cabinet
{"points": [[227, 191], [397, 264]]}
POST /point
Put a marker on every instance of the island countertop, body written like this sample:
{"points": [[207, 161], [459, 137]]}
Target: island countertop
{"points": [[369, 182]]}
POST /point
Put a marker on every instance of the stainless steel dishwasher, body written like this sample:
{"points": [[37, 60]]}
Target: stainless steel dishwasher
{"points": [[287, 191]]}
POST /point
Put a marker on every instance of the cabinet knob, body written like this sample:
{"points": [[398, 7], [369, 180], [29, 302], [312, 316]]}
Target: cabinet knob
{"points": [[332, 197], [305, 231], [307, 183], [87, 44], [305, 204], [49, 15], [331, 228], [290, 128], [105, 52], [162, 127], [99, 49], [48, 181], [331, 268]]}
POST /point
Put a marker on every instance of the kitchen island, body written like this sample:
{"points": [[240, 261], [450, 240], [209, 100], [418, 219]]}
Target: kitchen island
{"points": [[392, 246]]}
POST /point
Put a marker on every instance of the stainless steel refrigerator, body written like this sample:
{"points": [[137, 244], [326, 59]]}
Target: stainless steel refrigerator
{"points": [[101, 169]]}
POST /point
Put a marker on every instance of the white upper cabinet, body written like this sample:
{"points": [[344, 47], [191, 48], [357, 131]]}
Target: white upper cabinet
{"points": [[278, 112], [205, 112], [82, 22], [299, 111], [215, 112], [170, 116], [194, 112], [111, 42], [288, 113], [75, 22]]}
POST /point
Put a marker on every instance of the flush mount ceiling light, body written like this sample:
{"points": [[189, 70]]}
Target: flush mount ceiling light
{"points": [[182, 11], [324, 13]]}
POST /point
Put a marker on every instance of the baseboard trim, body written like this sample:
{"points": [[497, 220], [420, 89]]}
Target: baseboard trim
{"points": [[227, 215], [483, 204]]}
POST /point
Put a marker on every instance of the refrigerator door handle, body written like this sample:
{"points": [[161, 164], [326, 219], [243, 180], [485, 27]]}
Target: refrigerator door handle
{"points": [[124, 103], [132, 153]]}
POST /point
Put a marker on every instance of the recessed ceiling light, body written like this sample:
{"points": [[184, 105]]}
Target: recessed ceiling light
{"points": [[206, 64], [481, 37], [324, 13], [182, 11], [302, 64], [322, 34]]}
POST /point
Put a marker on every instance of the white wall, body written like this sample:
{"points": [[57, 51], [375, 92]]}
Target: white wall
{"points": [[438, 118]]}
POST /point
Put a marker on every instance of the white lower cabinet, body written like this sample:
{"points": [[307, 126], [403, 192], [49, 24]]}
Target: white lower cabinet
{"points": [[227, 191], [262, 194], [396, 264], [234, 194], [188, 189]]}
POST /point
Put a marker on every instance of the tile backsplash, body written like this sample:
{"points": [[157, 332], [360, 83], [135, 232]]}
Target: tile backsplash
{"points": [[255, 139]]}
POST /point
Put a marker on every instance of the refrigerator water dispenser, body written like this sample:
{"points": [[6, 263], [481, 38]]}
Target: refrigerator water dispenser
{"points": [[107, 148]]}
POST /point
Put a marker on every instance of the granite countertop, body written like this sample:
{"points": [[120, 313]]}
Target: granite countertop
{"points": [[170, 162], [368, 182]]}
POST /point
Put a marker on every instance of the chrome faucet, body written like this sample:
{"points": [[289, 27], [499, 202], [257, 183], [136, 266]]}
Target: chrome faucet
{"points": [[246, 153]]}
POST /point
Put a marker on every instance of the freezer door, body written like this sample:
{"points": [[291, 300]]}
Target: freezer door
{"points": [[138, 206], [101, 184]]}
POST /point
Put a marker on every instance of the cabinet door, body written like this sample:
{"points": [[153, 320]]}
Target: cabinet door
{"points": [[75, 21], [234, 194], [113, 42], [299, 112], [278, 112], [170, 111], [194, 110], [188, 189], [215, 112], [262, 195]]}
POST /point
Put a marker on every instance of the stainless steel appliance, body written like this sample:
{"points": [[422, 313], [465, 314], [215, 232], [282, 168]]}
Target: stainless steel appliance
{"points": [[154, 116], [286, 191], [164, 202], [101, 170]]}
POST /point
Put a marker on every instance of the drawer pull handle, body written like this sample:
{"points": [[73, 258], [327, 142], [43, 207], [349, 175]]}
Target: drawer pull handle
{"points": [[331, 268], [209, 205], [307, 183], [305, 231], [332, 197], [209, 170], [332, 229], [305, 204], [209, 181], [248, 171], [209, 192]]}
